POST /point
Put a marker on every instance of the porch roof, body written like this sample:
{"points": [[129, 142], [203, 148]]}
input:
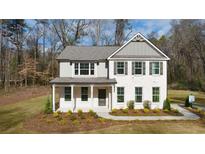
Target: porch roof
{"points": [[70, 80]]}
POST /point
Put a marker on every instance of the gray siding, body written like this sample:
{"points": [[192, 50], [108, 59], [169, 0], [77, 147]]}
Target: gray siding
{"points": [[138, 49]]}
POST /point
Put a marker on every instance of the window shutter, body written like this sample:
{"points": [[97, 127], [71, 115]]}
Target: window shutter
{"points": [[161, 68], [115, 68], [133, 68], [150, 68], [144, 69], [125, 68]]}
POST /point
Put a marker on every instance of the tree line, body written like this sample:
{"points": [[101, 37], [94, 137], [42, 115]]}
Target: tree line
{"points": [[28, 49]]}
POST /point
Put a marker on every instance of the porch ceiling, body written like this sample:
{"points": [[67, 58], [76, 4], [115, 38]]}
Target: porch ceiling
{"points": [[70, 80]]}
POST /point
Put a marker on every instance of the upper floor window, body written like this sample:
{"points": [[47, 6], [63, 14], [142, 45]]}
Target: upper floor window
{"points": [[92, 68], [138, 68], [84, 68], [76, 68], [156, 68], [120, 67]]}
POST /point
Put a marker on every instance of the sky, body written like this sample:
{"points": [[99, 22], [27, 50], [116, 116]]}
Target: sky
{"points": [[144, 26]]}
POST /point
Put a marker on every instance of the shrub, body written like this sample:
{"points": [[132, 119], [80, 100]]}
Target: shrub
{"points": [[166, 104], [62, 122], [92, 113], [73, 117], [69, 113], [48, 107], [147, 104], [156, 110], [125, 110], [187, 104], [102, 120], [175, 110], [55, 115], [80, 112], [131, 104], [114, 110], [75, 122], [48, 121], [88, 120], [166, 110], [145, 110]]}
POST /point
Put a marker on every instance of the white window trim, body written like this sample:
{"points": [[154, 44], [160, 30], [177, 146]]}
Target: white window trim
{"points": [[120, 95], [89, 70], [117, 68], [152, 68], [135, 94], [141, 68], [153, 95]]}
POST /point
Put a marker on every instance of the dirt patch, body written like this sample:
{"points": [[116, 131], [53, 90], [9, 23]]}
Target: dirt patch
{"points": [[22, 94], [145, 112]]}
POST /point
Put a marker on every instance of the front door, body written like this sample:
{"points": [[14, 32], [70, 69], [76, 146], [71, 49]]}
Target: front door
{"points": [[102, 97]]}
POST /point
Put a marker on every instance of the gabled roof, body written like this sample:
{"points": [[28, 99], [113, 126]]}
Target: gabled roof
{"points": [[87, 53], [139, 47]]}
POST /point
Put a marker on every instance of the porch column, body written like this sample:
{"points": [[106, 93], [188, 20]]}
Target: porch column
{"points": [[112, 96], [109, 99], [91, 92], [53, 97], [72, 93]]}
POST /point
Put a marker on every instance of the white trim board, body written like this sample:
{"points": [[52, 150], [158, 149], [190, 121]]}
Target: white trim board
{"points": [[138, 34]]}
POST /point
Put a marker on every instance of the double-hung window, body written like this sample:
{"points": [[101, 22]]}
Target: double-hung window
{"points": [[138, 68], [91, 68], [76, 69], [138, 94], [155, 94], [84, 93], [120, 68], [120, 94], [156, 68], [84, 68], [67, 92]]}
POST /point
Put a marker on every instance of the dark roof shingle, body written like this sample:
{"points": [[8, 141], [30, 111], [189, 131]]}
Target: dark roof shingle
{"points": [[70, 80], [94, 53]]}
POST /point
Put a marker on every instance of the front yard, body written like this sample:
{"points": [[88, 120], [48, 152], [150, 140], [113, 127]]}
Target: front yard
{"points": [[26, 116]]}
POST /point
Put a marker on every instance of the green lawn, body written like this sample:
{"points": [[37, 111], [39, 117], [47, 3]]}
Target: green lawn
{"points": [[179, 96], [13, 115]]}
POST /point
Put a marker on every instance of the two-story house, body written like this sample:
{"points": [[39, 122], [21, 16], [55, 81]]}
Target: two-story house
{"points": [[107, 77]]}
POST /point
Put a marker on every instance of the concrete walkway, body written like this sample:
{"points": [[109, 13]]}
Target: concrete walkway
{"points": [[187, 115]]}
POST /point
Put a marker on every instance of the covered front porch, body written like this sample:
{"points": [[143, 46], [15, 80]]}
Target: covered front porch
{"points": [[95, 94]]}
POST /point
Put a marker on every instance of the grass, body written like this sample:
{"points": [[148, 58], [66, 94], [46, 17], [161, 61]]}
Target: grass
{"points": [[179, 96], [154, 127], [12, 116]]}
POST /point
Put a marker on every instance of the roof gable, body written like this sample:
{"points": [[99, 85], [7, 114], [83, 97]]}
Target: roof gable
{"points": [[138, 47]]}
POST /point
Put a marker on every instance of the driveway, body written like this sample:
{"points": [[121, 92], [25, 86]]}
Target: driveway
{"points": [[187, 115]]}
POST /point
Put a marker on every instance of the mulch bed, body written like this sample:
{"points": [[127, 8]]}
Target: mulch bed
{"points": [[197, 111], [142, 112], [47, 123]]}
